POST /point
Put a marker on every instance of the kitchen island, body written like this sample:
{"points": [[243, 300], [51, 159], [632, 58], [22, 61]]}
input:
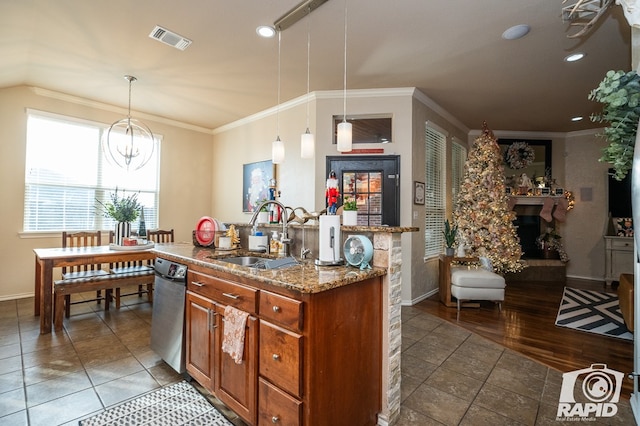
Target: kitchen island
{"points": [[313, 340]]}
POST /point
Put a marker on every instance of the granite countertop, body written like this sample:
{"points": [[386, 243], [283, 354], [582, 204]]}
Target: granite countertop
{"points": [[314, 225], [304, 278]]}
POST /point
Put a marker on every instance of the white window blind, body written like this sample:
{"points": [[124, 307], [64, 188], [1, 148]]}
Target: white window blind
{"points": [[458, 158], [434, 201], [66, 172]]}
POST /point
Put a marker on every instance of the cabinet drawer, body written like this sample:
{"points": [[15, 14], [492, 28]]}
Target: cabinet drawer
{"points": [[622, 244], [282, 310], [222, 291], [281, 357], [276, 407]]}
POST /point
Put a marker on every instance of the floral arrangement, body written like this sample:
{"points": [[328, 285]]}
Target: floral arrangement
{"points": [[125, 209], [551, 240], [519, 155]]}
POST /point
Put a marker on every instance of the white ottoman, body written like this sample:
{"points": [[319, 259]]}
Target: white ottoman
{"points": [[476, 284]]}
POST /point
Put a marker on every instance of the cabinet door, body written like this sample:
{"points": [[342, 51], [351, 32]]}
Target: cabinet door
{"points": [[200, 315], [235, 384]]}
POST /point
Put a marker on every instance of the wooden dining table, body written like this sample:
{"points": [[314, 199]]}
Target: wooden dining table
{"points": [[49, 258]]}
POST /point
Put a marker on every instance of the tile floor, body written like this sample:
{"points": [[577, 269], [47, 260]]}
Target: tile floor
{"points": [[449, 376]]}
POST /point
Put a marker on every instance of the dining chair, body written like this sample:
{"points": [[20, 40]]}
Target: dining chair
{"points": [[160, 236], [81, 239], [137, 266]]}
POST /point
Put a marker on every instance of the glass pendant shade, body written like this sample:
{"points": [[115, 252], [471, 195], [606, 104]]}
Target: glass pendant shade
{"points": [[344, 137], [277, 151], [307, 145]]}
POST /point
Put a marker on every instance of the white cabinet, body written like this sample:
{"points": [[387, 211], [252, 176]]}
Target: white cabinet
{"points": [[618, 257]]}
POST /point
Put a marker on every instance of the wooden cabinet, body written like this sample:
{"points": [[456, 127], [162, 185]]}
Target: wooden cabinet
{"points": [[618, 257], [234, 384], [199, 336], [309, 359]]}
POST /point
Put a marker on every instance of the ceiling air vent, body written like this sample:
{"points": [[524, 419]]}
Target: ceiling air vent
{"points": [[172, 39]]}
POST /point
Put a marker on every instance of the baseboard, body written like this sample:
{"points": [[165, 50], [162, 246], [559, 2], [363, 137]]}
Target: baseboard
{"points": [[419, 299], [579, 277], [16, 296]]}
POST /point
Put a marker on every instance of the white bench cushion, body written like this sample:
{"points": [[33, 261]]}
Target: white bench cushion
{"points": [[462, 276]]}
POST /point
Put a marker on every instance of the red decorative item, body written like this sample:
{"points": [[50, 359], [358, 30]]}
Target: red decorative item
{"points": [[206, 231]]}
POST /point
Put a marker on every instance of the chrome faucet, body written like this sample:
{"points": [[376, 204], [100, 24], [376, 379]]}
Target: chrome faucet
{"points": [[286, 242]]}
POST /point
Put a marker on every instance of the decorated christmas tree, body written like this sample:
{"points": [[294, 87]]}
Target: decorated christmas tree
{"points": [[484, 219]]}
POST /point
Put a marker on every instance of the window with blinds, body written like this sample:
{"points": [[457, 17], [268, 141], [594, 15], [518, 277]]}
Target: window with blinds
{"points": [[66, 172], [458, 158], [434, 201]]}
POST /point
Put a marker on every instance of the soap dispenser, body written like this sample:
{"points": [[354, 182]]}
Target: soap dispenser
{"points": [[274, 245]]}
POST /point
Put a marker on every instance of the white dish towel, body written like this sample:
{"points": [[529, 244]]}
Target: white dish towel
{"points": [[235, 321]]}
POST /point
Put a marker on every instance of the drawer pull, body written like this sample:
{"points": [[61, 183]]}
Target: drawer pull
{"points": [[275, 357], [276, 308], [231, 296], [275, 419], [197, 284]]}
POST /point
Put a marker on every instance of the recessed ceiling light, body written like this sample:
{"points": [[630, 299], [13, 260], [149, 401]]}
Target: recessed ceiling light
{"points": [[577, 118], [516, 32], [575, 57], [266, 31]]}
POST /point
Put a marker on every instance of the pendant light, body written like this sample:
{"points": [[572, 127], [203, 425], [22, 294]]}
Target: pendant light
{"points": [[307, 140], [344, 128], [128, 143], [277, 147]]}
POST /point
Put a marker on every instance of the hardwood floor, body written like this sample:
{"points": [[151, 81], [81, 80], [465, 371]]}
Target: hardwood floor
{"points": [[527, 325]]}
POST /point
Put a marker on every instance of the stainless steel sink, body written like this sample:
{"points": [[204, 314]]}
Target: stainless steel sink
{"points": [[245, 260], [260, 262]]}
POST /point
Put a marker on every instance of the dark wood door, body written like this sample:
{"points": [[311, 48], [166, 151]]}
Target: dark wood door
{"points": [[199, 337], [374, 182]]}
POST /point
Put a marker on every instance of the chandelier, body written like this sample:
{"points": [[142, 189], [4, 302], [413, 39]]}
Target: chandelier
{"points": [[128, 143]]}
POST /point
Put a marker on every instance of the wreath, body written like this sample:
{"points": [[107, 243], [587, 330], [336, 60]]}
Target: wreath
{"points": [[519, 155]]}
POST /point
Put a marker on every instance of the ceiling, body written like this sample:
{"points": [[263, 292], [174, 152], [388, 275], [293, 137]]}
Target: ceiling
{"points": [[451, 50]]}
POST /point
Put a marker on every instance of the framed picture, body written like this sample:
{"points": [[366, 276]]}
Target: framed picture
{"points": [[256, 180], [418, 192], [623, 226], [507, 190], [559, 191], [545, 191]]}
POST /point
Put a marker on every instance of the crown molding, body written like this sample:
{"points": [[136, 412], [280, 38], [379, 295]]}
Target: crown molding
{"points": [[112, 108]]}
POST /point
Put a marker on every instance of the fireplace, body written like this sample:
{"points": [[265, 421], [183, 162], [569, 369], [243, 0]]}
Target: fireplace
{"points": [[529, 226]]}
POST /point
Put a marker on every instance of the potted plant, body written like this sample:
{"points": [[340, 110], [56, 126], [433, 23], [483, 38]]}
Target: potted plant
{"points": [[349, 212], [450, 232], [619, 91], [123, 211], [551, 246]]}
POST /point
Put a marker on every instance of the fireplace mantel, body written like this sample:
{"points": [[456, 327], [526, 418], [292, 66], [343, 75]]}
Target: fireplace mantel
{"points": [[534, 200]]}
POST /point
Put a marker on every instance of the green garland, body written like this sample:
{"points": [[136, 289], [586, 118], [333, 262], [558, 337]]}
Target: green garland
{"points": [[620, 94]]}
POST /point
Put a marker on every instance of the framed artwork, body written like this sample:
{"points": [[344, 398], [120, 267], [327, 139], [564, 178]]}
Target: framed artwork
{"points": [[559, 191], [545, 191], [526, 156], [256, 180], [418, 192], [623, 226]]}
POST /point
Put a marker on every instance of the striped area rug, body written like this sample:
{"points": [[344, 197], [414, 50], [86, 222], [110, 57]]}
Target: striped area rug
{"points": [[178, 404], [593, 312]]}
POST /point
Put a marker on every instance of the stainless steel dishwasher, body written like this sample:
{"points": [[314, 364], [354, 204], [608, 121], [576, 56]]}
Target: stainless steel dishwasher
{"points": [[167, 321]]}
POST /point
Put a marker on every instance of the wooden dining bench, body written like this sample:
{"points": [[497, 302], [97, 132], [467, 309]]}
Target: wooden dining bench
{"points": [[108, 282]]}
